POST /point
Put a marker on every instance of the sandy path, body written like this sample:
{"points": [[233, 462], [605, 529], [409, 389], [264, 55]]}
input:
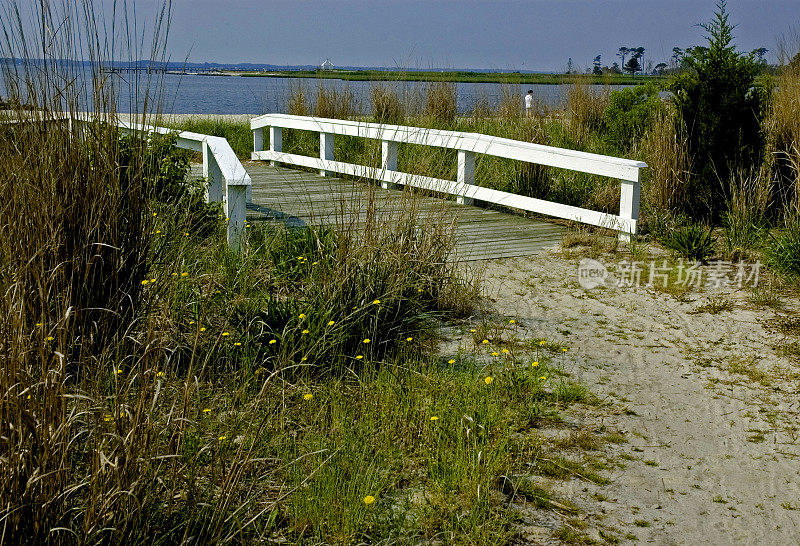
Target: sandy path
{"points": [[711, 478]]}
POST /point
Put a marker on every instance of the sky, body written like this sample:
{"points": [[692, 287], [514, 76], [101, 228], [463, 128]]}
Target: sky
{"points": [[539, 35]]}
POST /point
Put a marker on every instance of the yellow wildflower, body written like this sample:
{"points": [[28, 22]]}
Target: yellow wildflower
{"points": [[304, 332], [472, 330], [331, 323], [512, 321], [207, 410], [49, 338], [203, 329], [495, 353], [376, 302], [359, 357], [160, 374], [238, 344], [308, 396], [158, 231], [505, 351], [434, 418], [542, 342], [301, 316], [534, 364], [451, 361], [145, 282], [223, 438], [488, 380], [369, 499], [225, 334], [273, 341], [543, 377], [184, 274], [485, 342], [409, 339], [304, 359], [367, 340], [564, 349]]}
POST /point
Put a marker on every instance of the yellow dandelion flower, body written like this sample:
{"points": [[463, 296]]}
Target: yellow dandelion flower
{"points": [[376, 302], [512, 321], [301, 316], [308, 396], [145, 282], [184, 274], [409, 339], [488, 380], [304, 359], [366, 340], [119, 371], [223, 438], [359, 357], [108, 418], [304, 332], [174, 274], [314, 263], [485, 342], [564, 349], [206, 410], [38, 324], [472, 330], [534, 364], [160, 374], [203, 329], [369, 499], [225, 334], [419, 290], [543, 377], [191, 322], [237, 344], [152, 280], [158, 231], [49, 338], [434, 418], [542, 342], [495, 353], [155, 214], [28, 397], [273, 341], [186, 233], [331, 322], [505, 351], [451, 361]]}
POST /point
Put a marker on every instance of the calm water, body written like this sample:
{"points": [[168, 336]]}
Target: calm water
{"points": [[190, 94]]}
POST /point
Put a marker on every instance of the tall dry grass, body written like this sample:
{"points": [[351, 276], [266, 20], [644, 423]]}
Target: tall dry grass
{"points": [[667, 176], [782, 129], [585, 110]]}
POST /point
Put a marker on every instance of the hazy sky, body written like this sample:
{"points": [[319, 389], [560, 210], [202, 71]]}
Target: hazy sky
{"points": [[500, 34]]}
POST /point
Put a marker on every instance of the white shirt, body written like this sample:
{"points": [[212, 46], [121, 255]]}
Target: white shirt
{"points": [[528, 101]]}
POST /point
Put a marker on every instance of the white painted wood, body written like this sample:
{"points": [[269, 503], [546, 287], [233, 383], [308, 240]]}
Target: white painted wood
{"points": [[450, 187], [629, 205], [465, 174], [614, 167], [215, 185], [325, 149], [236, 213], [388, 160], [275, 140]]}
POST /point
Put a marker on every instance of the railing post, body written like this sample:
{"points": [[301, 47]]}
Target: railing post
{"points": [[236, 213], [388, 161], [326, 150], [275, 141], [629, 205], [215, 189], [466, 174]]}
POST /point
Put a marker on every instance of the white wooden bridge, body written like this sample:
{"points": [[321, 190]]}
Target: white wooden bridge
{"points": [[266, 188]]}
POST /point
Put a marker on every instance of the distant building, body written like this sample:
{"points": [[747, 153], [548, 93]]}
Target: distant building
{"points": [[326, 65]]}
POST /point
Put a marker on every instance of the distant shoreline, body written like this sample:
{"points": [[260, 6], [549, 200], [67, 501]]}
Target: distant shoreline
{"points": [[436, 76]]}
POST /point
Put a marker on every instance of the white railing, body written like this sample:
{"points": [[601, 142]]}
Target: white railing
{"points": [[228, 182], [467, 145]]}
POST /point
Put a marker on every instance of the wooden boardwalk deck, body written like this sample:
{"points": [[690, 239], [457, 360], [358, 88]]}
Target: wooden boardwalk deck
{"points": [[299, 198]]}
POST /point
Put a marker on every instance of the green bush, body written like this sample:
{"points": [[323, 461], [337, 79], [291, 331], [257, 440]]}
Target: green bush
{"points": [[631, 113], [692, 241], [720, 109], [783, 249]]}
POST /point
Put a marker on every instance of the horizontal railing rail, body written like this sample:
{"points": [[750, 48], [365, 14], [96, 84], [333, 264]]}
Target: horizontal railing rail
{"points": [[227, 179], [468, 145]]}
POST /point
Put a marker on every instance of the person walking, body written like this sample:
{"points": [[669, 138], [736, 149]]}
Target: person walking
{"points": [[529, 103]]}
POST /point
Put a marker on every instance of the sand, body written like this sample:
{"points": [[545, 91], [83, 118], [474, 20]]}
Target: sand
{"points": [[724, 460]]}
